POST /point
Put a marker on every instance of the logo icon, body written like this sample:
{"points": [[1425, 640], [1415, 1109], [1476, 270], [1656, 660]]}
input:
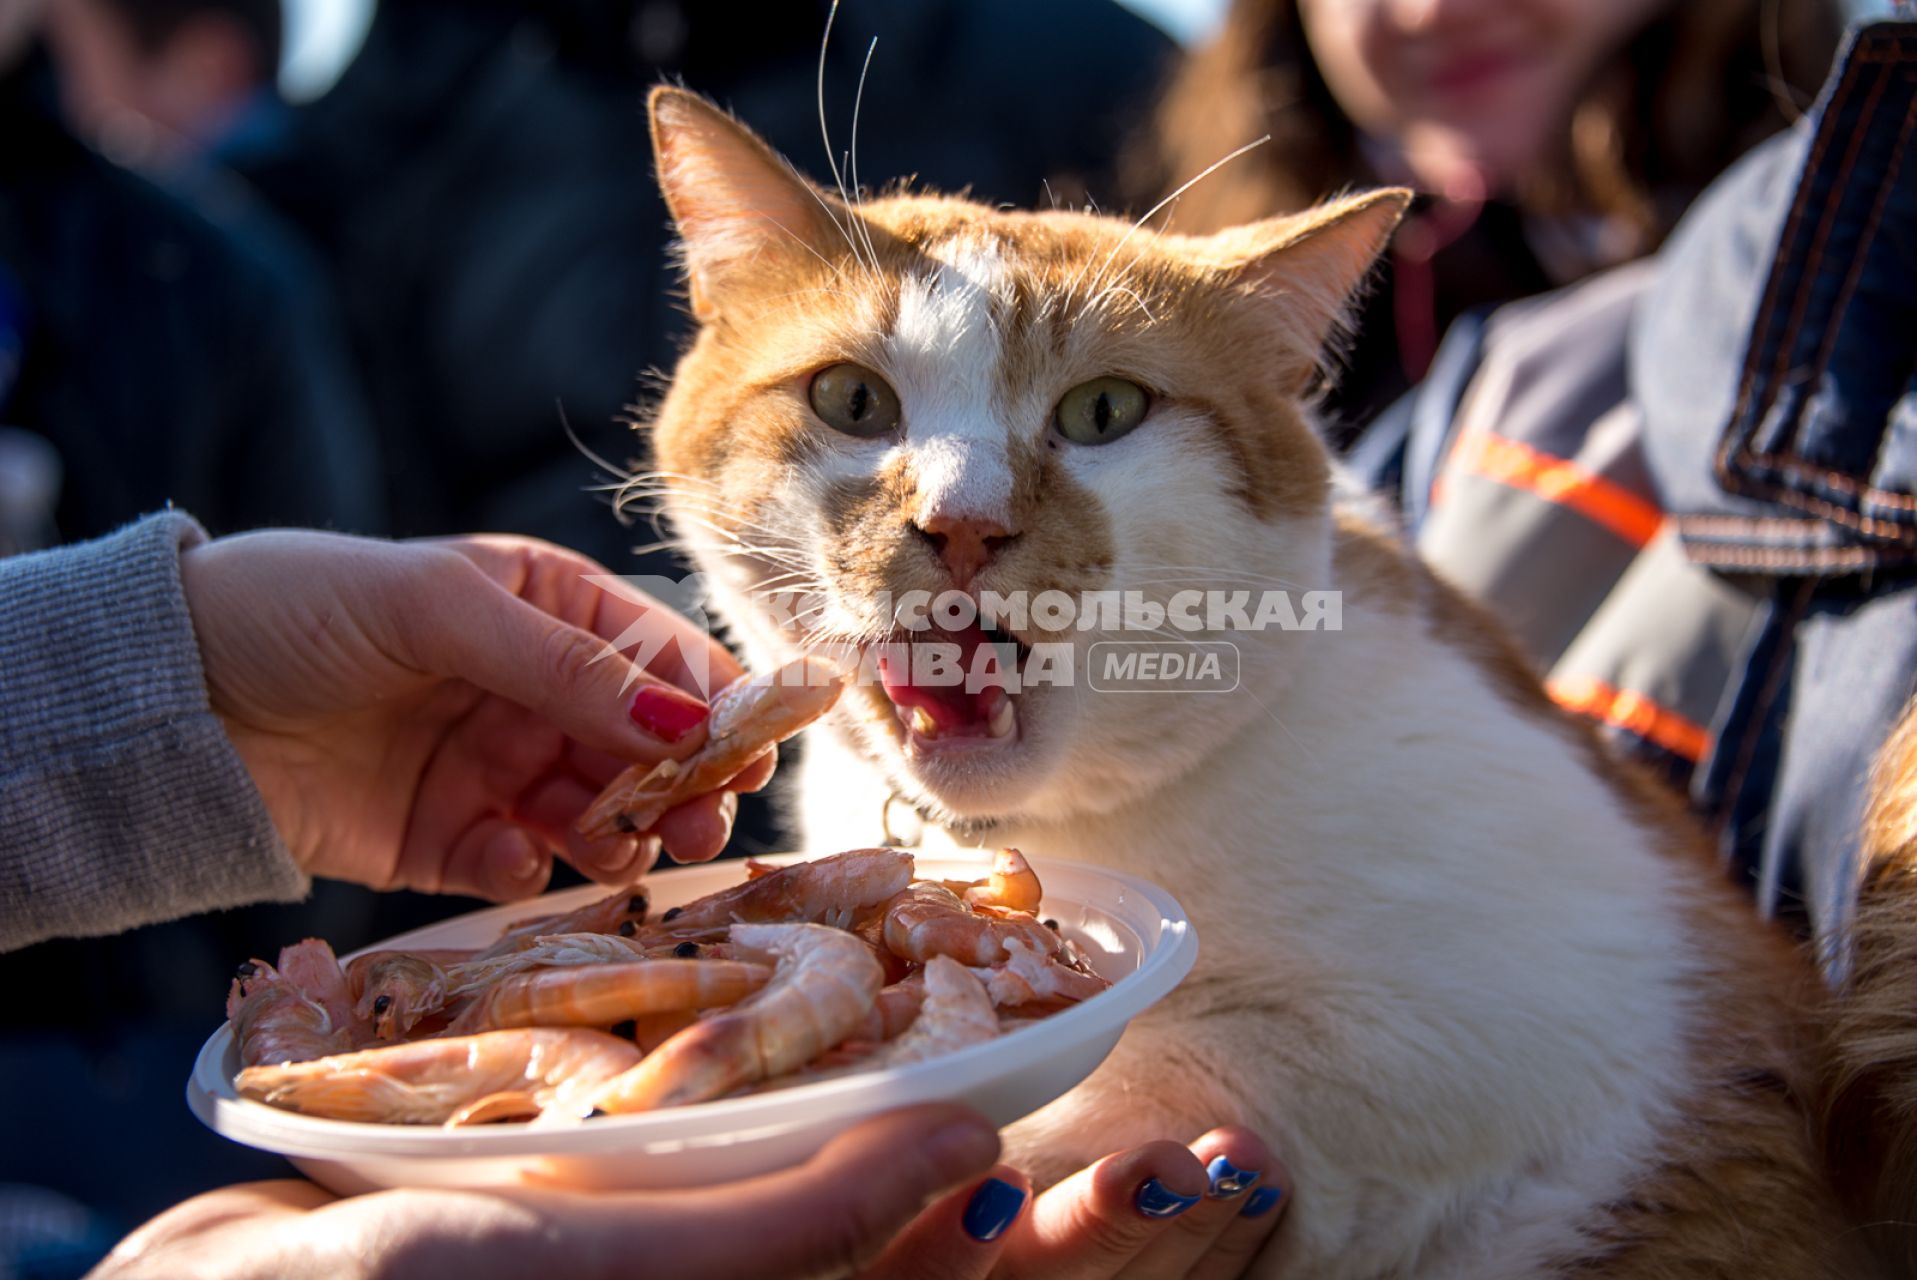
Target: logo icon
{"points": [[647, 639]]}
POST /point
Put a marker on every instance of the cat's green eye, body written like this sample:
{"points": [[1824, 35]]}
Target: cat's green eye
{"points": [[853, 399], [1100, 411]]}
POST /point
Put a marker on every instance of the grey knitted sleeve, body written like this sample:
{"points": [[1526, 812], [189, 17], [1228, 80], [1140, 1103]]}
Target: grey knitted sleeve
{"points": [[122, 802]]}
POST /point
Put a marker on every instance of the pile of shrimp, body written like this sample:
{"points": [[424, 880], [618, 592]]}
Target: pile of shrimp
{"points": [[799, 973]]}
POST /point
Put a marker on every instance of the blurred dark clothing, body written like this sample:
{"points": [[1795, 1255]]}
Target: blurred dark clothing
{"points": [[167, 358], [174, 347], [481, 179]]}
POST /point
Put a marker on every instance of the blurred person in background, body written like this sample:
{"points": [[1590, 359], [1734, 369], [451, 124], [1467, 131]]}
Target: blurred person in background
{"points": [[1550, 139], [150, 353], [1687, 485], [160, 77], [179, 90], [163, 358]]}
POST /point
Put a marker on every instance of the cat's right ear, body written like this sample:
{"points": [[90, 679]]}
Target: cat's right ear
{"points": [[737, 203], [1308, 268]]}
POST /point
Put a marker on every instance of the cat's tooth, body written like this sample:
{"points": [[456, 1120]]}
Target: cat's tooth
{"points": [[923, 722], [1004, 720]]}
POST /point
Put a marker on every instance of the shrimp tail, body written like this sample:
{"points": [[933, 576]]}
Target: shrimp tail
{"points": [[510, 1104], [700, 1063], [365, 1095]]}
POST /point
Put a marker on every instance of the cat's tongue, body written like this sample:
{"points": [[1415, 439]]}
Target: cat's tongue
{"points": [[942, 697]]}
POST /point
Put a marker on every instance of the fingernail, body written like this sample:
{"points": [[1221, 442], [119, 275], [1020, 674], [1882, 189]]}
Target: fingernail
{"points": [[1261, 1202], [1156, 1200], [667, 713], [615, 854], [523, 862], [992, 1208], [1228, 1180]]}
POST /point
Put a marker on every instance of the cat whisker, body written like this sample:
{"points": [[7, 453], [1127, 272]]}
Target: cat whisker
{"points": [[825, 133], [1129, 292], [730, 541], [1139, 223], [836, 269], [858, 191], [794, 583], [735, 531], [654, 547], [565, 424]]}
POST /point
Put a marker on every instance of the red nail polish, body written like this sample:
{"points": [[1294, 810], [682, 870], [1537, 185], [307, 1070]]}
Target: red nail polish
{"points": [[667, 712]]}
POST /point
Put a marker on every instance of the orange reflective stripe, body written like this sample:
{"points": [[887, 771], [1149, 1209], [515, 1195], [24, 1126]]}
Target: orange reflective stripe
{"points": [[1632, 712], [1562, 483]]}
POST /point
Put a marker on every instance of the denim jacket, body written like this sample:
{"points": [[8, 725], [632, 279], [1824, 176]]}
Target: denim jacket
{"points": [[1775, 364], [1799, 272]]}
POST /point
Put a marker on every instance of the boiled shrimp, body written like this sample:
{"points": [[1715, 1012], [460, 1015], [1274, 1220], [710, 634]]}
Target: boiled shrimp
{"points": [[1028, 977], [398, 988], [1012, 884], [943, 1007], [516, 1072], [892, 1012], [749, 717], [929, 920], [300, 1010], [623, 911], [654, 1029], [545, 951], [825, 982], [831, 891], [600, 995], [957, 1012]]}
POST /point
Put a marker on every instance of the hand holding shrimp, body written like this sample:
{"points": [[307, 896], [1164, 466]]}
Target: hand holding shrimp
{"points": [[438, 715], [749, 717]]}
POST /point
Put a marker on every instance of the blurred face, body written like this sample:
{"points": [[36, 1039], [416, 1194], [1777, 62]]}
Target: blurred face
{"points": [[1469, 94], [18, 18], [173, 97]]}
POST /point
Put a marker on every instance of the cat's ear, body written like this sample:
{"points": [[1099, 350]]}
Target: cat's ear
{"points": [[738, 205], [1310, 265]]}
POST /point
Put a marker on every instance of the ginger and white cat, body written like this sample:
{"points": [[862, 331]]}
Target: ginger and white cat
{"points": [[1497, 1012]]}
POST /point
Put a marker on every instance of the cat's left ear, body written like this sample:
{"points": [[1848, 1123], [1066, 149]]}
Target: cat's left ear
{"points": [[1310, 265]]}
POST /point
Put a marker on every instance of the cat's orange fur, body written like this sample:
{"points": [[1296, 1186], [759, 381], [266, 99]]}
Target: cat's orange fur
{"points": [[1227, 331]]}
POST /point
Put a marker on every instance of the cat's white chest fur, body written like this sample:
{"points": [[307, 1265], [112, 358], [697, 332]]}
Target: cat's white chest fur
{"points": [[1440, 968]]}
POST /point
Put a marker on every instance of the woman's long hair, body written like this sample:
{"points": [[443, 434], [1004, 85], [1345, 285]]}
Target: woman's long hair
{"points": [[1698, 86]]}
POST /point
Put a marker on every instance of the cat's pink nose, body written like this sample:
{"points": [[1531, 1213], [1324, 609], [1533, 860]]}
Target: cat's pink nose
{"points": [[966, 545]]}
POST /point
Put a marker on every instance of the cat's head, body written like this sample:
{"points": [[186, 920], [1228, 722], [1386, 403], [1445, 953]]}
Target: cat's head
{"points": [[919, 394]]}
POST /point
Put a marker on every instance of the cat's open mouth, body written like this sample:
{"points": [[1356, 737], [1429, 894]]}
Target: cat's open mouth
{"points": [[944, 689]]}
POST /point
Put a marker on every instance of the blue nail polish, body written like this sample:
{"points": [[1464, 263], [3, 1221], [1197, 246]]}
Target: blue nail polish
{"points": [[992, 1208], [1228, 1180], [1261, 1202], [1156, 1200]]}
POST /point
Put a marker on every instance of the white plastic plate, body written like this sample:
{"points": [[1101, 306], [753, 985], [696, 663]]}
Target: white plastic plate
{"points": [[1133, 932]]}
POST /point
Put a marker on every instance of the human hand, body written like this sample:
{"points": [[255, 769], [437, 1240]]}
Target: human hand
{"points": [[828, 1217], [1218, 1202], [435, 715]]}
